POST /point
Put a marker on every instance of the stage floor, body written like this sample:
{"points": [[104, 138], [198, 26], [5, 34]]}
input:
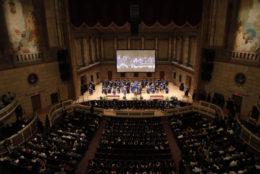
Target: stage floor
{"points": [[173, 91]]}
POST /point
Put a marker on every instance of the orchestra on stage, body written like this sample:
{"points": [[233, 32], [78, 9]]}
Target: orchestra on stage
{"points": [[126, 86]]}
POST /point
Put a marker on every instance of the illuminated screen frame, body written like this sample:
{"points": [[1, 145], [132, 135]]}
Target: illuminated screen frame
{"points": [[137, 71]]}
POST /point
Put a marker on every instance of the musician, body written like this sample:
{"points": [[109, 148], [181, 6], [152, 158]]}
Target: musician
{"points": [[167, 90], [124, 91], [109, 90], [153, 90], [118, 89], [90, 91], [148, 90], [103, 89], [114, 91]]}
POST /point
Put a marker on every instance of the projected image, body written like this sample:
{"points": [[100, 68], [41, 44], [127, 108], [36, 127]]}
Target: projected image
{"points": [[135, 60]]}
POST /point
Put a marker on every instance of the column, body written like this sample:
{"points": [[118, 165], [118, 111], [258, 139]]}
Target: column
{"points": [[97, 49], [176, 49], [82, 52], [102, 48], [115, 46], [181, 50], [142, 39], [170, 49], [128, 43], [189, 50], [90, 51], [86, 51], [93, 49], [156, 48], [185, 49], [77, 52], [193, 51]]}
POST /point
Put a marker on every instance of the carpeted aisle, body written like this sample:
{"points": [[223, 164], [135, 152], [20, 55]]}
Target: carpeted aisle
{"points": [[90, 154], [175, 151]]}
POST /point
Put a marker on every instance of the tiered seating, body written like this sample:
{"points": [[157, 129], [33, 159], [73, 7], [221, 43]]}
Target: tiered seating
{"points": [[212, 146], [131, 145], [59, 150]]}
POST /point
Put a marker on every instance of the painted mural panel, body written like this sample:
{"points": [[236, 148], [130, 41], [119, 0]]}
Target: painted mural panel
{"points": [[248, 31], [21, 27]]}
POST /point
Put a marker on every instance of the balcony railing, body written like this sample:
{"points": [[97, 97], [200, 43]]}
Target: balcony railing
{"points": [[19, 138], [28, 58], [8, 110]]}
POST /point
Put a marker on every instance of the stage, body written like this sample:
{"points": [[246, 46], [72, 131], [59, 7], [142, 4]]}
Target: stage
{"points": [[160, 95]]}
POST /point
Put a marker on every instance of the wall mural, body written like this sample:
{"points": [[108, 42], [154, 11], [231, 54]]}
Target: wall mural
{"points": [[248, 31], [21, 27]]}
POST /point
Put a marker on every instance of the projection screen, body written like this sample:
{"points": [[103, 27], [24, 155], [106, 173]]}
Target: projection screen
{"points": [[135, 60]]}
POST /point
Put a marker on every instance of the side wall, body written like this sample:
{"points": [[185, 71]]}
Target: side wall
{"points": [[223, 82], [16, 81]]}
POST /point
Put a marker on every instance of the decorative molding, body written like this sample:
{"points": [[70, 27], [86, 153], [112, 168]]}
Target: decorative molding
{"points": [[156, 27]]}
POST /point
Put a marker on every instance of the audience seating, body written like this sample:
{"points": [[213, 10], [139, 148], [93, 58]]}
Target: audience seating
{"points": [[131, 145], [57, 151], [212, 146]]}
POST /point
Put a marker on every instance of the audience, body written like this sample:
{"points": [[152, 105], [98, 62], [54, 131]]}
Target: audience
{"points": [[212, 146], [133, 146], [59, 151]]}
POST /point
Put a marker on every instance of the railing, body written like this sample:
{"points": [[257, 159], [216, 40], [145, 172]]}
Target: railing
{"points": [[56, 110], [134, 113], [202, 107], [250, 58], [25, 58], [248, 137], [8, 110], [19, 138], [215, 109], [247, 56]]}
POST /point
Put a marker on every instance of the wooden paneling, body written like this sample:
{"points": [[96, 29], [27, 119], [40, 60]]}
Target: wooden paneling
{"points": [[149, 44], [108, 49], [163, 49], [122, 44], [136, 44]]}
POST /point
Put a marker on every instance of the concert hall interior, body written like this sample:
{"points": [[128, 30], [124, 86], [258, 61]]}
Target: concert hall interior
{"points": [[129, 86]]}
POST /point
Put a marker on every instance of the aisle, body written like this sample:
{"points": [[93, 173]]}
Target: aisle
{"points": [[90, 154], [175, 151]]}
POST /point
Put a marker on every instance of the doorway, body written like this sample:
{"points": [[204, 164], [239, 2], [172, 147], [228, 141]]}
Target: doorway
{"points": [[161, 75], [237, 102], [188, 82], [109, 75], [36, 102], [54, 98]]}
